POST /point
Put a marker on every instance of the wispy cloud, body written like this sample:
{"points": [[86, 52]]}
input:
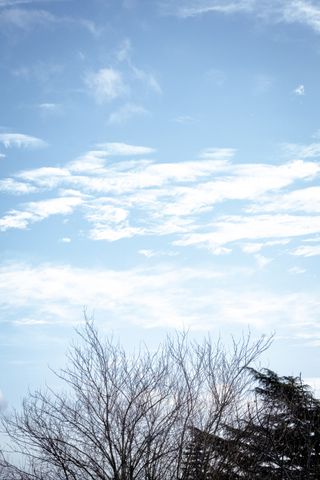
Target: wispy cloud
{"points": [[303, 200], [9, 185], [268, 204], [311, 150], [124, 51], [302, 11], [236, 228], [147, 78], [42, 72], [124, 149], [65, 240], [20, 140], [49, 108], [299, 90], [184, 120], [190, 8], [305, 12], [126, 113], [160, 296], [307, 251], [27, 19], [106, 84], [37, 211]]}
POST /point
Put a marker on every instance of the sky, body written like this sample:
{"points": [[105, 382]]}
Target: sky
{"points": [[159, 171]]}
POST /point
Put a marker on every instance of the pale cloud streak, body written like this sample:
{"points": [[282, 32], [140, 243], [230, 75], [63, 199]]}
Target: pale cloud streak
{"points": [[307, 251], [236, 228], [126, 113], [20, 140], [158, 296], [48, 109], [37, 211], [191, 8], [311, 150], [304, 12], [12, 15], [147, 78]]}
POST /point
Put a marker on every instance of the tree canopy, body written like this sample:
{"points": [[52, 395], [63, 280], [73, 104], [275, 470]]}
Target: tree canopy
{"points": [[278, 437], [127, 416]]}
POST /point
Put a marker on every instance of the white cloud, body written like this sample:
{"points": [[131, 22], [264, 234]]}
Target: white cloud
{"points": [[258, 246], [49, 108], [301, 151], [299, 90], [252, 247], [160, 296], [184, 120], [9, 185], [304, 12], [222, 154], [125, 113], [148, 79], [147, 253], [125, 197], [300, 200], [296, 270], [44, 177], [230, 229], [106, 85], [154, 297], [110, 223], [20, 140], [37, 211], [2, 155], [307, 251], [262, 261], [66, 240], [124, 149], [193, 8]]}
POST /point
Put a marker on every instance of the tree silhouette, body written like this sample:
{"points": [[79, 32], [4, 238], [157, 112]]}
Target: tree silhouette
{"points": [[126, 416], [277, 438]]}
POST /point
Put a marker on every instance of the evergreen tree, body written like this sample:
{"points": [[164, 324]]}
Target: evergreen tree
{"points": [[278, 438]]}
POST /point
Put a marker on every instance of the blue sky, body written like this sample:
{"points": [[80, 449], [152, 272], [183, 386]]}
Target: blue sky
{"points": [[159, 168]]}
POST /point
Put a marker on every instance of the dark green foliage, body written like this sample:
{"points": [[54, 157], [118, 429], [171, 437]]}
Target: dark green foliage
{"points": [[281, 437], [278, 437]]}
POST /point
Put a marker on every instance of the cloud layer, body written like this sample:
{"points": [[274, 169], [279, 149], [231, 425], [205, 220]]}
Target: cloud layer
{"points": [[181, 201], [159, 296]]}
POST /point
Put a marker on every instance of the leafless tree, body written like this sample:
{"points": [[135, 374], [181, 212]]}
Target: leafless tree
{"points": [[126, 416]]}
